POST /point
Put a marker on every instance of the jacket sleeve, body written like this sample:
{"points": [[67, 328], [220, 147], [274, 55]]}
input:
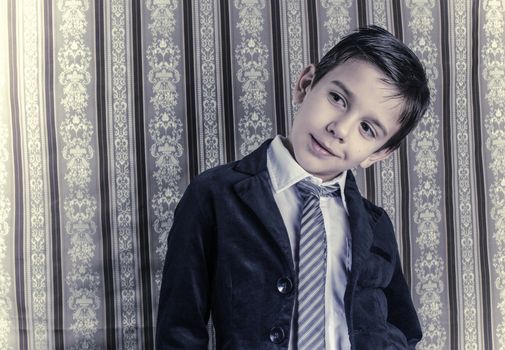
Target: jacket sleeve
{"points": [[184, 307], [402, 315]]}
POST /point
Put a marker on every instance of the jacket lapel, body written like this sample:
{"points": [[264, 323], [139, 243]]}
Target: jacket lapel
{"points": [[256, 193]]}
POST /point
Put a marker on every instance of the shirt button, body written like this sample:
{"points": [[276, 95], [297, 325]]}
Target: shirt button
{"points": [[277, 335], [284, 285]]}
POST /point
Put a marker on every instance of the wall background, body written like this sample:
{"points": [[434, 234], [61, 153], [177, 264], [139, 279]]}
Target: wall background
{"points": [[108, 108]]}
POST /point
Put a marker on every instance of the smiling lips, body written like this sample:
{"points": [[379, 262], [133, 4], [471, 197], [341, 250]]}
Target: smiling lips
{"points": [[320, 148]]}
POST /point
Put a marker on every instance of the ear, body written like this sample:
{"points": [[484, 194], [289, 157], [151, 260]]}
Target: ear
{"points": [[375, 157], [303, 84]]}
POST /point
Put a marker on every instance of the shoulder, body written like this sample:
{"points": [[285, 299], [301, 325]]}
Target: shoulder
{"points": [[380, 222], [217, 182], [377, 215], [204, 190], [366, 209], [373, 210], [225, 176], [221, 175]]}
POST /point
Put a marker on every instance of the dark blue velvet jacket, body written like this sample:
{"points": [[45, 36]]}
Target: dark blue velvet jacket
{"points": [[228, 253]]}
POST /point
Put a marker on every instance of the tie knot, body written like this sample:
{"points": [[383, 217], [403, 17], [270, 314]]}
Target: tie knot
{"points": [[308, 188]]}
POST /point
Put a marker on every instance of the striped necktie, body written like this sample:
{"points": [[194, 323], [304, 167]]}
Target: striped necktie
{"points": [[312, 266]]}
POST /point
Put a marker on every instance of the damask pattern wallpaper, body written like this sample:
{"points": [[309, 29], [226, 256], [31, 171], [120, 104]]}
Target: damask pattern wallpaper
{"points": [[109, 108]]}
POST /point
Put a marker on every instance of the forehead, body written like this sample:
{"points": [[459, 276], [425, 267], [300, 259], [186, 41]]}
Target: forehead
{"points": [[366, 89]]}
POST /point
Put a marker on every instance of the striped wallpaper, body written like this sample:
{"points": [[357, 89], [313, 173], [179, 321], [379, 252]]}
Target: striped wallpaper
{"points": [[109, 108]]}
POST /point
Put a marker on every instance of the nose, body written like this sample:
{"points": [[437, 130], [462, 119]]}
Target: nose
{"points": [[340, 128]]}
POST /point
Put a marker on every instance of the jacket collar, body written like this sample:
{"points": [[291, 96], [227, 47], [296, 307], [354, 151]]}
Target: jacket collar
{"points": [[254, 162]]}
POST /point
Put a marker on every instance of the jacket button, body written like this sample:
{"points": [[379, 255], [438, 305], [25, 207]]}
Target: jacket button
{"points": [[277, 335], [284, 285]]}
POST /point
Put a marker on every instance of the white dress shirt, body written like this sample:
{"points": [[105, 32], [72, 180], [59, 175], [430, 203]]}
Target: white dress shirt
{"points": [[284, 173]]}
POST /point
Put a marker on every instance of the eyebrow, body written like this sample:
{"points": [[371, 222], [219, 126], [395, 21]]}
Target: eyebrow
{"points": [[378, 124], [341, 85], [351, 95]]}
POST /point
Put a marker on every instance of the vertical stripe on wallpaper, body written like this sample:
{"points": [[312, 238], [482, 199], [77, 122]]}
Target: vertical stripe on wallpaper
{"points": [[7, 309], [208, 84], [227, 76], [253, 102], [429, 265], [480, 190], [295, 51], [464, 209], [103, 162], [190, 113], [361, 13], [34, 159], [493, 64], [18, 229], [55, 235], [165, 126], [447, 125], [78, 183], [121, 172], [142, 205], [279, 86], [312, 25]]}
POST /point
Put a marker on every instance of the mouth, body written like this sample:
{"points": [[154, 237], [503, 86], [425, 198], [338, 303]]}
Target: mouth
{"points": [[320, 148]]}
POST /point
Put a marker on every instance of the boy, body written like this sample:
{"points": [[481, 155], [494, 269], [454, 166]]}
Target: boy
{"points": [[280, 246]]}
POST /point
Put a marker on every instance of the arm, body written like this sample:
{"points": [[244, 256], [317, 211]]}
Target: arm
{"points": [[183, 310], [401, 312]]}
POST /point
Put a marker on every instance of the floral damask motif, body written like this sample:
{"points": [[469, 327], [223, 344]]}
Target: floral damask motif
{"points": [[252, 59], [163, 57], [337, 21], [162, 16], [251, 18], [379, 13], [207, 92], [493, 56], [76, 131], [75, 57], [466, 228], [429, 266]]}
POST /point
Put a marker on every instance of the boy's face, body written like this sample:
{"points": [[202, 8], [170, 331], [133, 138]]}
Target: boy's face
{"points": [[344, 119]]}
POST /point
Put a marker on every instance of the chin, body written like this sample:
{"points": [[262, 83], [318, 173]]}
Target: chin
{"points": [[314, 169]]}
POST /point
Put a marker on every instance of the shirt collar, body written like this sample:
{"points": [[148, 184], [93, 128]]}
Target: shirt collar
{"points": [[285, 172]]}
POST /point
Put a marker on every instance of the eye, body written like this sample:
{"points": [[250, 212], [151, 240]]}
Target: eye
{"points": [[368, 130], [338, 99]]}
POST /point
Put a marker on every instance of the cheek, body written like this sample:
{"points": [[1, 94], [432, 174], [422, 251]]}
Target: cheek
{"points": [[358, 152], [300, 125]]}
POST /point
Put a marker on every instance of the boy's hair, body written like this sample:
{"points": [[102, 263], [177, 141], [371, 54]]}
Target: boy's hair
{"points": [[401, 66]]}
